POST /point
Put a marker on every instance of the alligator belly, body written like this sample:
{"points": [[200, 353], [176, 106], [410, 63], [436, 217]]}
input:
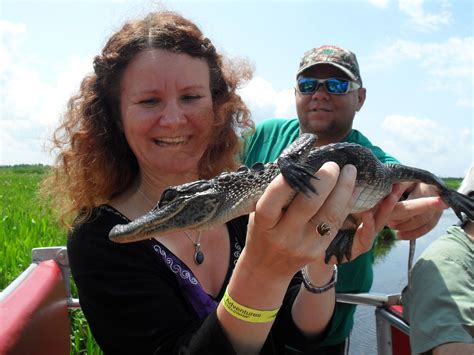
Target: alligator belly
{"points": [[369, 196]]}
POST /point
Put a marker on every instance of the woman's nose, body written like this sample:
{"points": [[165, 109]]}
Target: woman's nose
{"points": [[172, 115]]}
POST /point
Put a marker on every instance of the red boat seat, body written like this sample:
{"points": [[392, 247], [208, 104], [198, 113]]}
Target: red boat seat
{"points": [[33, 314]]}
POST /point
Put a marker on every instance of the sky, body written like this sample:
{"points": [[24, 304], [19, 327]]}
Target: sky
{"points": [[415, 57]]}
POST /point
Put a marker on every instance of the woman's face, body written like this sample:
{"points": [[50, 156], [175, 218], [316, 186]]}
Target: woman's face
{"points": [[167, 112]]}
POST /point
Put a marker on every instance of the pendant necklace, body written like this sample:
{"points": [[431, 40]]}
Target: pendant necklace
{"points": [[198, 254]]}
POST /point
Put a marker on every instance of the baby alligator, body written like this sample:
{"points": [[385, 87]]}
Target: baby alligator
{"points": [[203, 204]]}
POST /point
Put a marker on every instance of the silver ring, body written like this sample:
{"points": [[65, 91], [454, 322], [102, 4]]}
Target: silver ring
{"points": [[323, 229]]}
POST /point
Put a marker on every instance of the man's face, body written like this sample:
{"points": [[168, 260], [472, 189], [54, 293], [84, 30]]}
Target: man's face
{"points": [[329, 116]]}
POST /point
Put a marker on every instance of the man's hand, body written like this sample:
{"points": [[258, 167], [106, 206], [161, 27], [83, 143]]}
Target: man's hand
{"points": [[419, 213]]}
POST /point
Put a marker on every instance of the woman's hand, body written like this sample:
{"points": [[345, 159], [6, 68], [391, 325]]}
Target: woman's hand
{"points": [[366, 224], [282, 237]]}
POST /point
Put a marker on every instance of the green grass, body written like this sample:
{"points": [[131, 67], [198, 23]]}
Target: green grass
{"points": [[26, 223], [453, 183]]}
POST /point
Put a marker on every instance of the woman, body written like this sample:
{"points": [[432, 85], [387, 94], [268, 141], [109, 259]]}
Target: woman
{"points": [[161, 109]]}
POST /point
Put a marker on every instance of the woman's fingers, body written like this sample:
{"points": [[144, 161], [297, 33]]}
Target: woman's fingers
{"points": [[331, 213], [271, 205], [305, 206], [282, 228], [340, 200], [371, 222]]}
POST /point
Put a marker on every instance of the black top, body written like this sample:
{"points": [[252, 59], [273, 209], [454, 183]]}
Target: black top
{"points": [[141, 299]]}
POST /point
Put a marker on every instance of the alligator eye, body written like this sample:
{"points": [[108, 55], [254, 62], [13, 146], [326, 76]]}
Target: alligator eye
{"points": [[167, 196], [243, 168]]}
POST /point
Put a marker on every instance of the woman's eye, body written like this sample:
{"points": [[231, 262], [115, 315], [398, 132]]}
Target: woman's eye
{"points": [[191, 97], [150, 102]]}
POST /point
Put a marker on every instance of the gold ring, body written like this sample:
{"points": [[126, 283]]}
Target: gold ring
{"points": [[323, 229]]}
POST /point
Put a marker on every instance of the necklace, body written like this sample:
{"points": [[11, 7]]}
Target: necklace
{"points": [[198, 254], [145, 197]]}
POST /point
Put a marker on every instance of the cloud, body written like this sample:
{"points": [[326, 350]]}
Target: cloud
{"points": [[266, 102], [421, 134], [30, 104], [447, 64], [382, 4], [426, 21], [424, 143]]}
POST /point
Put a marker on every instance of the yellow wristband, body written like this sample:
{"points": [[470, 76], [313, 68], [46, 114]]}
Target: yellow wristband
{"points": [[245, 313]]}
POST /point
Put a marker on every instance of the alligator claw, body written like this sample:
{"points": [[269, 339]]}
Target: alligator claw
{"points": [[299, 178], [292, 164], [460, 203], [341, 246]]}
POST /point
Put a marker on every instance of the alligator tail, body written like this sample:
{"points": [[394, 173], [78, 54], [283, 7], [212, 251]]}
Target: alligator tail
{"points": [[459, 203]]}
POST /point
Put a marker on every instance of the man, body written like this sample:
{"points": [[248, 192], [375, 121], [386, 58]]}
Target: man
{"points": [[439, 302], [328, 94]]}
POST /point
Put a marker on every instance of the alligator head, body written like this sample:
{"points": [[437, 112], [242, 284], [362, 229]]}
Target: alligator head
{"points": [[197, 205], [191, 205]]}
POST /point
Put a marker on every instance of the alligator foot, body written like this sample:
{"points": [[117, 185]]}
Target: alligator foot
{"points": [[299, 178], [292, 164], [341, 246], [459, 203]]}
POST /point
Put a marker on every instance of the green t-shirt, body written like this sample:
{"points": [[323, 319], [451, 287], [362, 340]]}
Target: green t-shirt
{"points": [[265, 145], [439, 303]]}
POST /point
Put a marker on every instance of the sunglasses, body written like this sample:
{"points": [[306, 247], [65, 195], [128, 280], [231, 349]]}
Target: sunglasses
{"points": [[334, 86]]}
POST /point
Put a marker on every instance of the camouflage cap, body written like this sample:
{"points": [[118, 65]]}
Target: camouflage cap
{"points": [[333, 55]]}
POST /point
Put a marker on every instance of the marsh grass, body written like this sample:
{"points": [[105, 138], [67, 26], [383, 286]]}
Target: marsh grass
{"points": [[453, 183], [27, 223]]}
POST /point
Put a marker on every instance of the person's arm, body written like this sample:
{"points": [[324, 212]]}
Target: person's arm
{"points": [[281, 240], [419, 213], [279, 243], [370, 223]]}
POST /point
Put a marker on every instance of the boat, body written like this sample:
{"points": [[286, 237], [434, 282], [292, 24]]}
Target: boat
{"points": [[34, 310]]}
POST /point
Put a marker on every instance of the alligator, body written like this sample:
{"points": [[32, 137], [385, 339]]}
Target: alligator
{"points": [[202, 204]]}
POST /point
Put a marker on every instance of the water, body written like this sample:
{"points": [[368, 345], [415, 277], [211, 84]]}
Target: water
{"points": [[390, 276]]}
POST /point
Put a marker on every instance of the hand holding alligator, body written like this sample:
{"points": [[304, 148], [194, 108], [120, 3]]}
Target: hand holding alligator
{"points": [[297, 164], [418, 214], [285, 234]]}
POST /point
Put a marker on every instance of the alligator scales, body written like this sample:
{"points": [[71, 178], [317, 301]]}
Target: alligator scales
{"points": [[203, 204]]}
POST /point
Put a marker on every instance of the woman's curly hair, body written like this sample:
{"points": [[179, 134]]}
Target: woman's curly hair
{"points": [[94, 162]]}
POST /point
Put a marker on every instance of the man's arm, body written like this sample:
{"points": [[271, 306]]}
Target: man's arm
{"points": [[419, 213]]}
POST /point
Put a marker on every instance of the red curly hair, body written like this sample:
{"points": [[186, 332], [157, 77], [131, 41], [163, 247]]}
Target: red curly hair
{"points": [[94, 161]]}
